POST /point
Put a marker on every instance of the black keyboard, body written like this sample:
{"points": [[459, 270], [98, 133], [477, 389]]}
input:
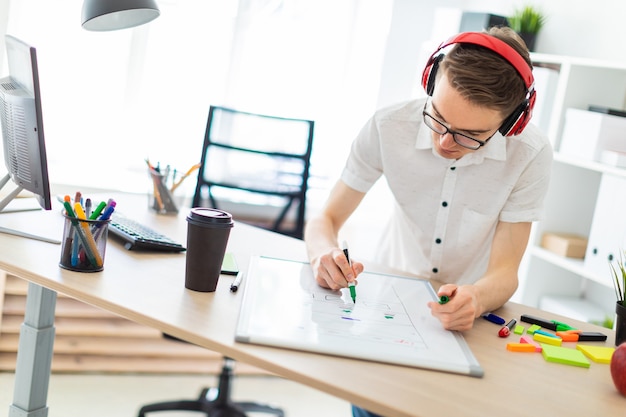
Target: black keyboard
{"points": [[137, 236]]}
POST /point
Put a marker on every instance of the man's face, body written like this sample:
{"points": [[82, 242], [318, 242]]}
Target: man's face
{"points": [[463, 117]]}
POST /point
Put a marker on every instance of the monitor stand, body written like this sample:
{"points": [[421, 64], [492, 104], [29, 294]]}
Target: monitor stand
{"points": [[5, 201]]}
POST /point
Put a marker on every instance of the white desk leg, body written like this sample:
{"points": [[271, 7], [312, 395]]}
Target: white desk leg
{"points": [[34, 355]]}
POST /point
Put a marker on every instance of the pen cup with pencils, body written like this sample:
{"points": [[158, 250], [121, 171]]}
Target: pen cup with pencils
{"points": [[84, 244], [165, 195]]}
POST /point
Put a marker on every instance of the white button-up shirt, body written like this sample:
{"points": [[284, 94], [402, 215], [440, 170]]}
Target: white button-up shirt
{"points": [[445, 210]]}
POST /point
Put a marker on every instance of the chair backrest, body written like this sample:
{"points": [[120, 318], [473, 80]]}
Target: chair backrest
{"points": [[246, 155]]}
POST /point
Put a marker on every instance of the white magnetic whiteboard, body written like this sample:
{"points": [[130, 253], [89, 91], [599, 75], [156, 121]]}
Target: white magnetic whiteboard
{"points": [[390, 322]]}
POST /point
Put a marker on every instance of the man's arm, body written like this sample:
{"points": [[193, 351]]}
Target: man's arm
{"points": [[330, 266], [494, 288]]}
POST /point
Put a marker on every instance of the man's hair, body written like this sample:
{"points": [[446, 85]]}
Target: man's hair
{"points": [[484, 77]]}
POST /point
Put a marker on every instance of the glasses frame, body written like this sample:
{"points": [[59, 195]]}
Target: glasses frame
{"points": [[447, 130]]}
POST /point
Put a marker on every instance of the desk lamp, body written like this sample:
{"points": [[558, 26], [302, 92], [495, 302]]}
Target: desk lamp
{"points": [[105, 15]]}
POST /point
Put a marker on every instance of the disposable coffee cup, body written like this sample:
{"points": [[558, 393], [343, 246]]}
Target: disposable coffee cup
{"points": [[208, 230]]}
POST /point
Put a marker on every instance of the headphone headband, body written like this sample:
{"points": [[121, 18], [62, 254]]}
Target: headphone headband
{"points": [[499, 47]]}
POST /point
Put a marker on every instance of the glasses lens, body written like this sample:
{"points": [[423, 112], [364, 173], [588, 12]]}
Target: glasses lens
{"points": [[441, 129], [434, 124], [466, 141]]}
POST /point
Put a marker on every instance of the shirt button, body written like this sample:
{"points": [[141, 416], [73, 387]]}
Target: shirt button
{"points": [[445, 204], [437, 240], [452, 168], [435, 270]]}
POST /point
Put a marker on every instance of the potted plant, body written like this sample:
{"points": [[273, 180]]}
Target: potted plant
{"points": [[619, 283], [527, 22]]}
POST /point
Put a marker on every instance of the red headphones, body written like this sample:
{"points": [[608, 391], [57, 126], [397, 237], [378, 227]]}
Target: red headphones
{"points": [[517, 121]]}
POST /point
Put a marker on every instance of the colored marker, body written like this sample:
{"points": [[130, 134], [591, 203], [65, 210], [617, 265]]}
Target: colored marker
{"points": [[108, 211], [493, 318], [445, 298], [70, 213], [90, 244], [546, 324], [88, 207], [505, 331], [351, 285], [106, 214], [94, 215], [81, 232], [237, 282]]}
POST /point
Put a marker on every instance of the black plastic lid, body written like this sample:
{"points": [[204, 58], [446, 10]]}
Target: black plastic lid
{"points": [[210, 217]]}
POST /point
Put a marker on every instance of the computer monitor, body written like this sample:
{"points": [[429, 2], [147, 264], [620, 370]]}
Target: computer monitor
{"points": [[22, 126]]}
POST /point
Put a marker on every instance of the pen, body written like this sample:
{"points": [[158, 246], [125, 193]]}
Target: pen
{"points": [[108, 210], [350, 284], [237, 282], [505, 331], [494, 318], [106, 214]]}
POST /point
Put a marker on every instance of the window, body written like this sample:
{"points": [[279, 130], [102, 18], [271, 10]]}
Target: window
{"points": [[112, 99]]}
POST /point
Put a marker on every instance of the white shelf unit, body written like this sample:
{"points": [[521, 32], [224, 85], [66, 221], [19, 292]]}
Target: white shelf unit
{"points": [[572, 198]]}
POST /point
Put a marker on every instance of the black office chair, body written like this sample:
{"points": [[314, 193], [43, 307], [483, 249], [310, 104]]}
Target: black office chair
{"points": [[246, 154], [215, 402], [259, 160]]}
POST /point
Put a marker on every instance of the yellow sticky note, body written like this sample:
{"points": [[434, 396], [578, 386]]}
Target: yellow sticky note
{"points": [[555, 341], [599, 354]]}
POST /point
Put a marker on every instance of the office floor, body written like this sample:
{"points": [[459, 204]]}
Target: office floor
{"points": [[96, 395]]}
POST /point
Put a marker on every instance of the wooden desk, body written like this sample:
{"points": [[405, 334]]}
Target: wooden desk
{"points": [[149, 288]]}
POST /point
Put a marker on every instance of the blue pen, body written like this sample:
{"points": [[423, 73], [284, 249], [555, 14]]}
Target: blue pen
{"points": [[106, 214], [493, 318]]}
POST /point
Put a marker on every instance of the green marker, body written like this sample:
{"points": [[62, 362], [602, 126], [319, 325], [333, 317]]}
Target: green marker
{"points": [[445, 298], [351, 285]]}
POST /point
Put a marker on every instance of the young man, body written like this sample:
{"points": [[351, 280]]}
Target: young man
{"points": [[467, 173]]}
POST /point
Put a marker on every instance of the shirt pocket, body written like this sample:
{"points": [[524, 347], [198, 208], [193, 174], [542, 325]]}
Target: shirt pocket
{"points": [[475, 231]]}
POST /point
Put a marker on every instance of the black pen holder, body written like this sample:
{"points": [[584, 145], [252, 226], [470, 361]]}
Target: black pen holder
{"points": [[160, 196], [84, 244]]}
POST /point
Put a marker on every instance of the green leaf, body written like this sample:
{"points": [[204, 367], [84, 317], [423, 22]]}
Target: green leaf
{"points": [[527, 20], [619, 279]]}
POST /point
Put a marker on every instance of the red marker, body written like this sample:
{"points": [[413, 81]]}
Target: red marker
{"points": [[505, 331]]}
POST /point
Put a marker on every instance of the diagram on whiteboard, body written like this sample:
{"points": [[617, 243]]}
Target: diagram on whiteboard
{"points": [[390, 322], [382, 318]]}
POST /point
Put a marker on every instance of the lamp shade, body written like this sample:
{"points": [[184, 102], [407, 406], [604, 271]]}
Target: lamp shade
{"points": [[104, 15]]}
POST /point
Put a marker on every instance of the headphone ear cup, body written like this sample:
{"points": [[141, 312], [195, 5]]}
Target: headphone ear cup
{"points": [[430, 73], [512, 123], [519, 119]]}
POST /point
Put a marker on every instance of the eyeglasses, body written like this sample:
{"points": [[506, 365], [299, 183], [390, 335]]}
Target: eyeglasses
{"points": [[461, 139]]}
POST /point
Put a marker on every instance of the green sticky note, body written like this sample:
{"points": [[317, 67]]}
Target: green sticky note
{"points": [[566, 356], [533, 328], [519, 329], [229, 265]]}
